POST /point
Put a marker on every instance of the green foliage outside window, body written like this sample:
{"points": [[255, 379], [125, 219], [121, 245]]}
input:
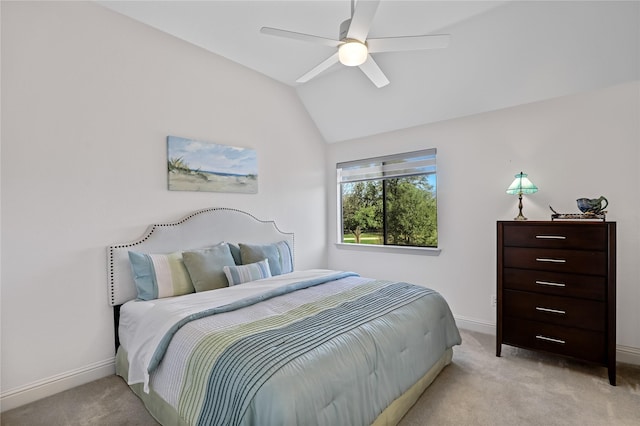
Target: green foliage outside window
{"points": [[393, 211]]}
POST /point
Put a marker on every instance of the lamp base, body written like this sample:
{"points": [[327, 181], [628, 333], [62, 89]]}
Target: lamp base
{"points": [[520, 215]]}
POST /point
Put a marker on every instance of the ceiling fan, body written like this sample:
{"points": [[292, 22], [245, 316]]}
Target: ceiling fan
{"points": [[354, 48]]}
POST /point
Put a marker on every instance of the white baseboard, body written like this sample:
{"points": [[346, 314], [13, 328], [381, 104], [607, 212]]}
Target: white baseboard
{"points": [[628, 354], [476, 325], [625, 354], [31, 392]]}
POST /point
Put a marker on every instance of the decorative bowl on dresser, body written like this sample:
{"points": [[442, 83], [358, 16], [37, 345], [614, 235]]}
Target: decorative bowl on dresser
{"points": [[556, 289]]}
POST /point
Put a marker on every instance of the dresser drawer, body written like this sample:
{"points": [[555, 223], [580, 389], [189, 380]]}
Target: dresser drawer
{"points": [[560, 235], [583, 344], [565, 311], [556, 283], [556, 260]]}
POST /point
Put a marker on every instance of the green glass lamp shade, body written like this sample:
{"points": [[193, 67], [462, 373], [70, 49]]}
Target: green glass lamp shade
{"points": [[521, 185]]}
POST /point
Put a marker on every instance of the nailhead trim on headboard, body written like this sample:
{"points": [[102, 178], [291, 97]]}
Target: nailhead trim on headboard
{"points": [[154, 227]]}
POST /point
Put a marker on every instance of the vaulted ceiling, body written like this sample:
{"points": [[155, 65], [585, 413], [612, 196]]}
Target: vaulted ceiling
{"points": [[501, 53]]}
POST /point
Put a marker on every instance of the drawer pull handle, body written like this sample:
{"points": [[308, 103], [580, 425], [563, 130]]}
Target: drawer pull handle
{"points": [[551, 237], [549, 283], [544, 259], [549, 339], [553, 311]]}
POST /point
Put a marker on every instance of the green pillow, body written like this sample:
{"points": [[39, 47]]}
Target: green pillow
{"points": [[252, 253], [279, 255], [205, 266]]}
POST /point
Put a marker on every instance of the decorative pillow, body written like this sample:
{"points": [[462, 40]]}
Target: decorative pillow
{"points": [[279, 255], [235, 252], [286, 258], [245, 273], [205, 266], [160, 275]]}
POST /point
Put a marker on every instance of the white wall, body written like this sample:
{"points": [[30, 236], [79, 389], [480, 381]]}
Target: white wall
{"points": [[583, 145], [88, 99]]}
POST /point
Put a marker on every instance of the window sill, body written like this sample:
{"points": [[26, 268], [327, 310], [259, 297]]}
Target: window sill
{"points": [[426, 251]]}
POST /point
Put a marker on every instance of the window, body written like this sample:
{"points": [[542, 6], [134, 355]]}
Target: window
{"points": [[389, 200]]}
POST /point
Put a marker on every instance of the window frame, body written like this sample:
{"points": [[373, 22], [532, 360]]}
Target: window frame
{"points": [[422, 162]]}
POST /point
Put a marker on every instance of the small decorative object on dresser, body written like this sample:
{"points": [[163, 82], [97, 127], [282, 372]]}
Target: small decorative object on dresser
{"points": [[591, 208], [592, 205], [557, 289]]}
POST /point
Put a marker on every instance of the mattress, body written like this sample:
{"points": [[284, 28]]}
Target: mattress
{"points": [[366, 344]]}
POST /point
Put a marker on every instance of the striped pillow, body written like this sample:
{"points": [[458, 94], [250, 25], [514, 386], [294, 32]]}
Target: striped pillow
{"points": [[160, 275], [245, 273]]}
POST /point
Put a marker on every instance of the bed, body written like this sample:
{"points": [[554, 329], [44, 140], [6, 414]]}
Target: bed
{"points": [[214, 325]]}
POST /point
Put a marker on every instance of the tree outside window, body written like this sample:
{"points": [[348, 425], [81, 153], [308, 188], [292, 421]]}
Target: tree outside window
{"points": [[390, 200]]}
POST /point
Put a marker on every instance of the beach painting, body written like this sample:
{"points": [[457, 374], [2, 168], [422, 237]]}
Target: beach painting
{"points": [[205, 166]]}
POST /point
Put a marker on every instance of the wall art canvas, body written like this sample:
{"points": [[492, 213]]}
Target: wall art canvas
{"points": [[205, 166]]}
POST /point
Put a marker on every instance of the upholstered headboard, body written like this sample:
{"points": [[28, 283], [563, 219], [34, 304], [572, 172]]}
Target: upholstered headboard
{"points": [[198, 229]]}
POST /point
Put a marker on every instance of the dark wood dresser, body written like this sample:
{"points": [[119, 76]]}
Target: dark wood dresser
{"points": [[557, 289]]}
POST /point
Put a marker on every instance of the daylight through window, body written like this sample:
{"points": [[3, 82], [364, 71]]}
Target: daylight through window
{"points": [[389, 200]]}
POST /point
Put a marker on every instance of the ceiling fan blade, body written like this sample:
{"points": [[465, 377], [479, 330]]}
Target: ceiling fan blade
{"points": [[373, 71], [299, 36], [362, 18], [319, 68], [399, 44]]}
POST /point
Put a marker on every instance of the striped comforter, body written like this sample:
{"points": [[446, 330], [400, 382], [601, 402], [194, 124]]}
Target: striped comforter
{"points": [[324, 348]]}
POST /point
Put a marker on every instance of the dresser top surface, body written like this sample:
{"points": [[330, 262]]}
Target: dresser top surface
{"points": [[555, 222]]}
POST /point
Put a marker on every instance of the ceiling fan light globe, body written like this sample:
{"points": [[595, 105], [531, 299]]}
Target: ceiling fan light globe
{"points": [[352, 53]]}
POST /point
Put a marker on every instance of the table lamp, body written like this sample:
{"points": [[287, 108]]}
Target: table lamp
{"points": [[521, 185]]}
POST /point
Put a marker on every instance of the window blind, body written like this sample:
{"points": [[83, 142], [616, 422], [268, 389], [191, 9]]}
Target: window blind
{"points": [[391, 166]]}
